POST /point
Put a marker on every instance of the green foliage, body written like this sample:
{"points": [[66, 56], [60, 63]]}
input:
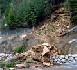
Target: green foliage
{"points": [[4, 4], [2, 65], [24, 13], [27, 12], [3, 7], [10, 64], [74, 10], [10, 16], [19, 49], [33, 9]]}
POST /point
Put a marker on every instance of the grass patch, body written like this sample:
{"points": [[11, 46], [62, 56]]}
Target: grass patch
{"points": [[19, 49], [2, 65], [10, 64]]}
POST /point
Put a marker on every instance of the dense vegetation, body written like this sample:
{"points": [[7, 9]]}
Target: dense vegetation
{"points": [[25, 13], [73, 4]]}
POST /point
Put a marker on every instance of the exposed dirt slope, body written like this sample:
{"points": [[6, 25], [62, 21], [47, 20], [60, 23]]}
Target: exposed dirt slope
{"points": [[54, 29]]}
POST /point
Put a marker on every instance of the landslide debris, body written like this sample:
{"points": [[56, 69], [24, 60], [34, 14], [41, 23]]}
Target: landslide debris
{"points": [[46, 41], [39, 53]]}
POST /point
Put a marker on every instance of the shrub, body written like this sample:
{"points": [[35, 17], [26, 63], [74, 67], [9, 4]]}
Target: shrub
{"points": [[2, 65], [19, 49], [74, 10], [10, 64], [10, 17], [3, 5]]}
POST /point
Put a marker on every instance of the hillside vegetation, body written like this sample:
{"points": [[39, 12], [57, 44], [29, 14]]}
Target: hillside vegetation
{"points": [[25, 13], [73, 4]]}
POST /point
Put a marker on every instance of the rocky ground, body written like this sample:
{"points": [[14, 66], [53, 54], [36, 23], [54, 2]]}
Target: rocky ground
{"points": [[40, 57]]}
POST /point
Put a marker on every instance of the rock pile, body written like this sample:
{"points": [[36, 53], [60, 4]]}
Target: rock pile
{"points": [[44, 53], [40, 53], [63, 59], [4, 56], [61, 32]]}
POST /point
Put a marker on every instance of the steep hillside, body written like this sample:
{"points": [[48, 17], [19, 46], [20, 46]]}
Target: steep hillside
{"points": [[53, 30]]}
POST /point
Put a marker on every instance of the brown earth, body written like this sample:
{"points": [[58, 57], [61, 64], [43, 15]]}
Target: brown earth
{"points": [[54, 31]]}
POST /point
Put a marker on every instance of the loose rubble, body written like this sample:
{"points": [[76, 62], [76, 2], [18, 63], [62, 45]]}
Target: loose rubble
{"points": [[64, 59], [20, 65], [40, 53], [43, 53], [6, 57]]}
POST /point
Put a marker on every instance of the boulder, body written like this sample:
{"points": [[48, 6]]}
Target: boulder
{"points": [[47, 64], [45, 50], [20, 66], [45, 44], [11, 68], [38, 48], [29, 60], [63, 60], [10, 58], [39, 53]]}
